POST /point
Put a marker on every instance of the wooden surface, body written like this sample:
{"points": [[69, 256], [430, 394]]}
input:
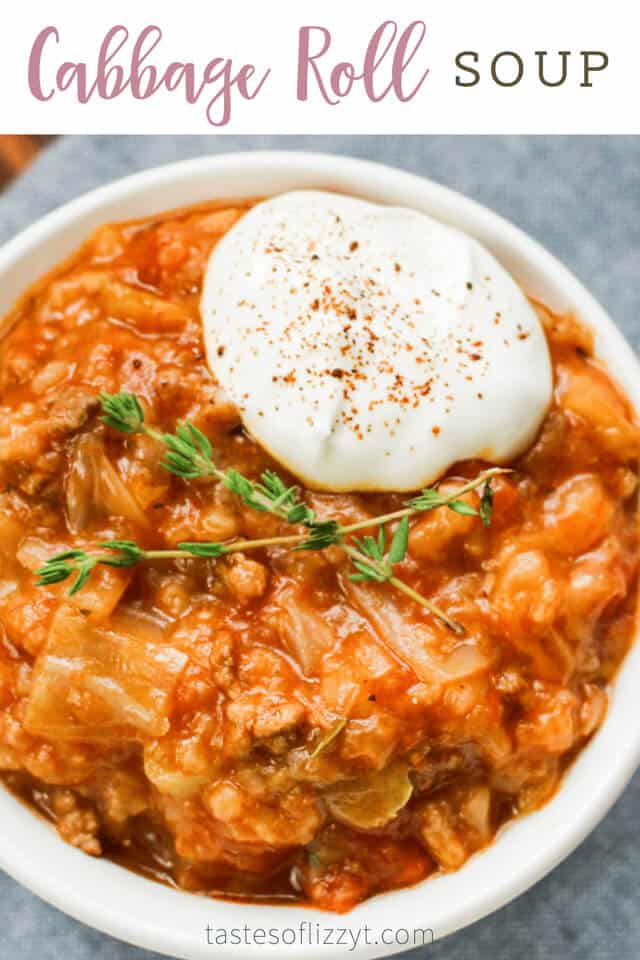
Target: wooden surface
{"points": [[16, 153]]}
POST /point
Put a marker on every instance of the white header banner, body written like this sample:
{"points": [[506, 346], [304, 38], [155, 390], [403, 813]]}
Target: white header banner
{"points": [[407, 66]]}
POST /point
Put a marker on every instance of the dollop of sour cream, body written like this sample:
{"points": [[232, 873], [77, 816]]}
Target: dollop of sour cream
{"points": [[370, 347]]}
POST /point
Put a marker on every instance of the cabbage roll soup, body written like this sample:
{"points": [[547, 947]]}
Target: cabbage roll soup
{"points": [[311, 583]]}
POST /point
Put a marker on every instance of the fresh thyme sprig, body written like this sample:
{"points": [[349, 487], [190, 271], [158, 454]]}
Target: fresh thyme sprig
{"points": [[127, 553], [189, 455], [369, 556], [63, 565], [374, 563], [188, 452]]}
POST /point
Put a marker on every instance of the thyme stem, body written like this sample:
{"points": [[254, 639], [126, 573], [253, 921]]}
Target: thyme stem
{"points": [[236, 546], [403, 587]]}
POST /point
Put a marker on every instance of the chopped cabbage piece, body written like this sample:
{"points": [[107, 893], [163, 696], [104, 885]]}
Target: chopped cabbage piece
{"points": [[101, 594], [103, 683], [416, 642], [302, 629], [95, 489]]}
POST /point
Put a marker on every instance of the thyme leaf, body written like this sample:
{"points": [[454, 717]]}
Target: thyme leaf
{"points": [[400, 542], [122, 411], [322, 534], [203, 549], [126, 553], [462, 507], [189, 453], [64, 565], [486, 504], [328, 738], [370, 558]]}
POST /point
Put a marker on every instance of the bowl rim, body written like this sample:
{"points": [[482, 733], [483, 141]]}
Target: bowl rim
{"points": [[144, 913]]}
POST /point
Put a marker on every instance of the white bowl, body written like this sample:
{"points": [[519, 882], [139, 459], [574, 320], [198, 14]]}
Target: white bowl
{"points": [[149, 915]]}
